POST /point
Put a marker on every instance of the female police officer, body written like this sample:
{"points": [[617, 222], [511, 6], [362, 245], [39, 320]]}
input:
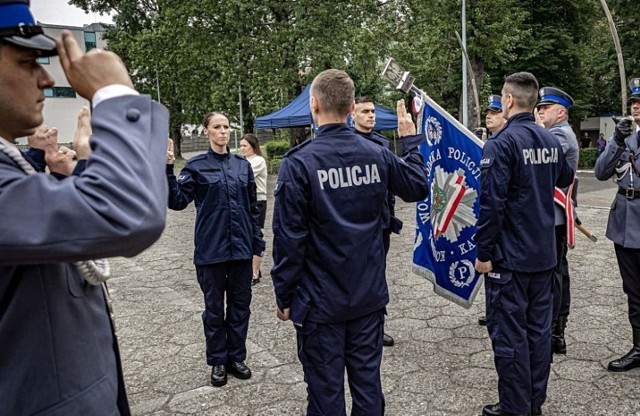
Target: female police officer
{"points": [[227, 236]]}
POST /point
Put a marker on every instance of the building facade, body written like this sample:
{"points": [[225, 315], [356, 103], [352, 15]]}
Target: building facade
{"points": [[62, 103]]}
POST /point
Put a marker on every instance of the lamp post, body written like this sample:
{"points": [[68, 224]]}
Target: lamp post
{"points": [[465, 104], [158, 86]]}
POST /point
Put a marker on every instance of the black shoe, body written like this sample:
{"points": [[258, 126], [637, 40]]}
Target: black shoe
{"points": [[558, 344], [494, 410], [218, 375], [482, 321], [536, 411], [627, 362], [239, 370], [387, 340]]}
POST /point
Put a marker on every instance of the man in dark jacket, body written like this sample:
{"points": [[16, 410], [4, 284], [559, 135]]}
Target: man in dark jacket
{"points": [[364, 120], [58, 351], [520, 167], [328, 250]]}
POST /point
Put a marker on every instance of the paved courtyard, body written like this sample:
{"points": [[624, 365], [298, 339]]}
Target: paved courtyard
{"points": [[441, 364]]}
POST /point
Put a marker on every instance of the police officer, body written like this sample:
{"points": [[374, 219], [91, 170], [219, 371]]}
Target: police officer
{"points": [[227, 236], [364, 119], [329, 268], [493, 117], [620, 160], [495, 121], [553, 112], [520, 167], [58, 350]]}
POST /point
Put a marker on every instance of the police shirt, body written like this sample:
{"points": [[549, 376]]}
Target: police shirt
{"points": [[623, 164], [329, 199], [520, 167], [563, 132]]}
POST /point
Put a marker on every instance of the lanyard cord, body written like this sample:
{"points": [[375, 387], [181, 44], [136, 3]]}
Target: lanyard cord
{"points": [[94, 271]]}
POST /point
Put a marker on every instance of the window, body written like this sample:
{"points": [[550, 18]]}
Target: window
{"points": [[89, 40], [60, 92], [43, 60]]}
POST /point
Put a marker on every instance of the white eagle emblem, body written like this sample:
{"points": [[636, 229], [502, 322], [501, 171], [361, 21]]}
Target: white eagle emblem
{"points": [[462, 273], [434, 131], [452, 203]]}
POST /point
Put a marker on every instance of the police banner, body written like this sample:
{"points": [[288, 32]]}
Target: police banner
{"points": [[444, 249]]}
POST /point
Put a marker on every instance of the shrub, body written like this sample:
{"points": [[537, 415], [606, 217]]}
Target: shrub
{"points": [[276, 149], [588, 157], [274, 166]]}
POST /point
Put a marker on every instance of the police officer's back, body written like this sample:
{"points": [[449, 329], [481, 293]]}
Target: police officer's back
{"points": [[328, 252], [520, 167]]}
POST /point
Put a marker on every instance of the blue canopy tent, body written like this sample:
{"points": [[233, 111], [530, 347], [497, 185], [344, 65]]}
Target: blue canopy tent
{"points": [[298, 114]]}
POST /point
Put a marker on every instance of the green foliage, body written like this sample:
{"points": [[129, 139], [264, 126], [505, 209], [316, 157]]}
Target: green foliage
{"points": [[588, 157], [214, 54], [276, 149], [274, 166]]}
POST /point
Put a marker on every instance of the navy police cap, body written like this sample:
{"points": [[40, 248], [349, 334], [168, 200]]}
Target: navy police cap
{"points": [[18, 27], [494, 103], [550, 95], [635, 90]]}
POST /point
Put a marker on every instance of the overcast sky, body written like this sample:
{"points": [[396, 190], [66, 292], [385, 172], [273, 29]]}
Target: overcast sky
{"points": [[59, 12]]}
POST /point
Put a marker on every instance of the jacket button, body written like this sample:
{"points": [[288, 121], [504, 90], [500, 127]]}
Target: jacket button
{"points": [[133, 114]]}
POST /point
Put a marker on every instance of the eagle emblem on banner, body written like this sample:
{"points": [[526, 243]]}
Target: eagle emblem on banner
{"points": [[452, 202]]}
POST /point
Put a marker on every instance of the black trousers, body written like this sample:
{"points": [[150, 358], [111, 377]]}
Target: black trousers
{"points": [[226, 331], [561, 282], [629, 264], [327, 350]]}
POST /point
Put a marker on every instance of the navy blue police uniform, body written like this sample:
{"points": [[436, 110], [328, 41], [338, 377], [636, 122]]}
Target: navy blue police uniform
{"points": [[621, 160], [329, 258], [495, 106], [392, 224], [227, 236], [520, 166]]}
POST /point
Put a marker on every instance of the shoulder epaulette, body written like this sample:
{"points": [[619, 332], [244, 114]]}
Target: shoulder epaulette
{"points": [[197, 157], [297, 147]]}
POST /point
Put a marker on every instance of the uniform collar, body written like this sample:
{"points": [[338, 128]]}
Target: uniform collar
{"points": [[520, 117], [219, 156], [333, 128]]}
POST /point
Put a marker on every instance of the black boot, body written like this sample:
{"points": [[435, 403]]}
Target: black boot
{"points": [[629, 360], [558, 343]]}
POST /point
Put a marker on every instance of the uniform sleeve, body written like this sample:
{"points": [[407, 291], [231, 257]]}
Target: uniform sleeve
{"points": [[35, 157], [116, 207], [258, 244], [290, 232], [608, 159], [182, 189], [567, 172], [496, 175], [407, 174]]}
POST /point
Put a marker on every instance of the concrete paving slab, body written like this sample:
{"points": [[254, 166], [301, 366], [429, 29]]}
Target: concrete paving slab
{"points": [[442, 362]]}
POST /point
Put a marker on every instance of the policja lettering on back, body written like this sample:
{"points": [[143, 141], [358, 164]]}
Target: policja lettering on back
{"points": [[540, 156], [349, 176]]}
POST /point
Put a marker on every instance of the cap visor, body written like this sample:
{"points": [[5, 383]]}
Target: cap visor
{"points": [[546, 102], [633, 98], [492, 108], [43, 43]]}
